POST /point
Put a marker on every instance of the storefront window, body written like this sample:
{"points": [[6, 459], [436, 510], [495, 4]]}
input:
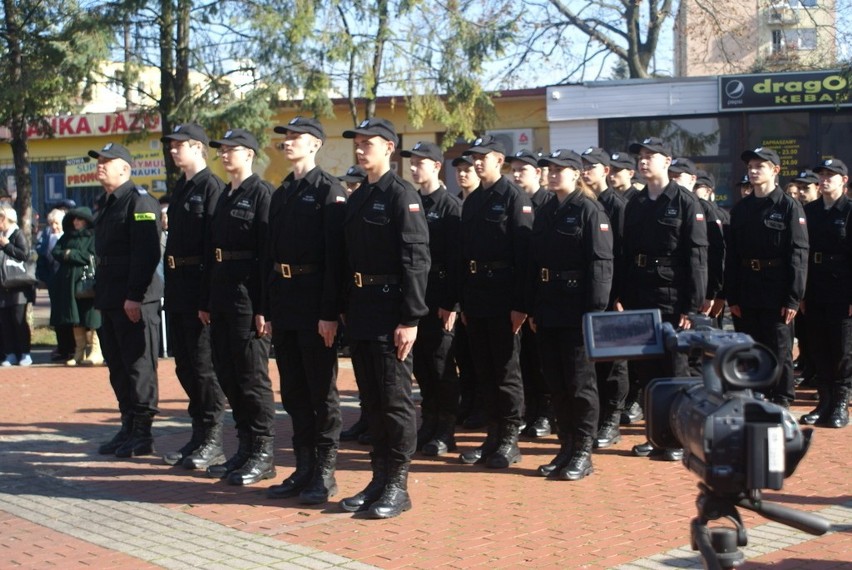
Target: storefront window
{"points": [[834, 134], [692, 137], [786, 133]]}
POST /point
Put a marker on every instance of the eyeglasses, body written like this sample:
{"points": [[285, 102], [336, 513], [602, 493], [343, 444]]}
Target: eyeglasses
{"points": [[228, 149]]}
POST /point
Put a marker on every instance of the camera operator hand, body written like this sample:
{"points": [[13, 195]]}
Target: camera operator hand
{"points": [[788, 315]]}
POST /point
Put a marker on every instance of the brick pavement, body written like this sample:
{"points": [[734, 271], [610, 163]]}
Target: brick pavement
{"points": [[61, 505]]}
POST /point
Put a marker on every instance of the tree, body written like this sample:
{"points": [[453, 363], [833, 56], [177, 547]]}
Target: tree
{"points": [[49, 48]]}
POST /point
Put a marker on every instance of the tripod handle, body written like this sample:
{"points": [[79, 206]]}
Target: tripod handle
{"points": [[805, 522]]}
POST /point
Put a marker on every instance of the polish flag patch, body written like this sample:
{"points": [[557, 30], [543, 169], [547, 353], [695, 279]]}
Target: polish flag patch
{"points": [[526, 209], [339, 199], [414, 207], [699, 217], [604, 227], [801, 221]]}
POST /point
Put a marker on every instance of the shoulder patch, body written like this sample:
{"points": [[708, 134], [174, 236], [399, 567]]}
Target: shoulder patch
{"points": [[145, 217], [141, 190]]}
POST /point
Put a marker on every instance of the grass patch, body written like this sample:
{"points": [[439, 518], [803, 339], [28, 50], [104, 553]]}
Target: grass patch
{"points": [[43, 337]]}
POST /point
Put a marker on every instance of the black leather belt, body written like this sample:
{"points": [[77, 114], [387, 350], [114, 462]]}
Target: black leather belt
{"points": [[475, 266], [173, 262], [362, 280], [642, 260], [820, 257], [758, 264], [573, 277], [113, 260], [287, 271], [220, 255]]}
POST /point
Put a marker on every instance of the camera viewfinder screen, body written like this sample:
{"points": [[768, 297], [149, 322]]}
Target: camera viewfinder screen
{"points": [[620, 330]]}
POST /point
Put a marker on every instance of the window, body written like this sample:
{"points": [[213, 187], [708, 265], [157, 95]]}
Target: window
{"points": [[802, 39], [778, 42]]}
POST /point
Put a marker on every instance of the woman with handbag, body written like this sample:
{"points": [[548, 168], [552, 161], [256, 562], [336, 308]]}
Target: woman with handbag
{"points": [[73, 299], [14, 296]]}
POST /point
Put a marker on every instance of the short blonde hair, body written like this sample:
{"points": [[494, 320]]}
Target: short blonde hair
{"points": [[55, 216], [9, 213]]}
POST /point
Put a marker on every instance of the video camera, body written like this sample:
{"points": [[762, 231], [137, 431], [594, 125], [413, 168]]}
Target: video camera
{"points": [[734, 440]]}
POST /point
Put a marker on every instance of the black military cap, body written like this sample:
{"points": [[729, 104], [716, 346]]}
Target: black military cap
{"points": [[526, 156], [185, 132], [806, 177], [463, 159], [622, 161], [302, 125], [761, 153], [683, 166], [834, 165], [562, 157], [354, 174], [113, 150], [596, 155], [653, 144], [237, 137], [704, 178], [374, 127], [425, 149], [486, 144]]}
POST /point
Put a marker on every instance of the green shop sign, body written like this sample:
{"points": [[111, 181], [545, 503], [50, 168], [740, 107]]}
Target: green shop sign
{"points": [[784, 91]]}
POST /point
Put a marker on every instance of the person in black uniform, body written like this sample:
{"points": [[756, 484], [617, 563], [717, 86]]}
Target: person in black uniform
{"points": [[496, 222], [387, 243], [434, 365], [305, 264], [190, 209], [128, 292], [613, 382], [571, 274], [231, 303], [527, 175], [663, 261], [767, 264], [354, 177], [828, 295]]}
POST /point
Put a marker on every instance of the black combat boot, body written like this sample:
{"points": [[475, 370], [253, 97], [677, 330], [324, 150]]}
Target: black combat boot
{"points": [[394, 499], [581, 461], [237, 460], [840, 412], [298, 479], [210, 452], [109, 447], [259, 466], [609, 434], [484, 451], [632, 413], [507, 452], [175, 457], [374, 489], [566, 450], [822, 412], [141, 442], [322, 485], [428, 425], [358, 428], [444, 440]]}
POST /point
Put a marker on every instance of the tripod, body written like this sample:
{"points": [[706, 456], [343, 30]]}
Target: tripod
{"points": [[719, 546]]}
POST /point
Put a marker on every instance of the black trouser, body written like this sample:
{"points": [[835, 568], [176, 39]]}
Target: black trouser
{"points": [[496, 355], [65, 343], [435, 368], [193, 353], [571, 378], [241, 360], [14, 330], [801, 330], [385, 385], [468, 386], [130, 350], [613, 384], [830, 342], [308, 372], [535, 387], [767, 327]]}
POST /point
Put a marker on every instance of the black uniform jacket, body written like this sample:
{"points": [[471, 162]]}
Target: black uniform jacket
{"points": [[614, 205], [496, 225], [830, 259], [443, 214], [572, 261], [767, 252], [664, 261], [306, 241], [190, 210], [716, 248], [233, 249], [127, 246], [539, 198], [387, 240]]}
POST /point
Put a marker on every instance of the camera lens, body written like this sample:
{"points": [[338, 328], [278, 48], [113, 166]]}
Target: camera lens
{"points": [[747, 365]]}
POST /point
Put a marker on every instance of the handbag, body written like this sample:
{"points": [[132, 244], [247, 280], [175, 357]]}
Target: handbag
{"points": [[15, 274], [85, 286]]}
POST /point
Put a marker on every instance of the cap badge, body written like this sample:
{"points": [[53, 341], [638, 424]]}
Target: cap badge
{"points": [[589, 150], [416, 147], [828, 162], [556, 154], [228, 134], [294, 121], [759, 149], [646, 141], [107, 146], [477, 142], [519, 153], [364, 124], [615, 156], [178, 128]]}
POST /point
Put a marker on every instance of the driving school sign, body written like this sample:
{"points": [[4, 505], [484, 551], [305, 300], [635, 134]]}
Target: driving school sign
{"points": [[778, 91]]}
